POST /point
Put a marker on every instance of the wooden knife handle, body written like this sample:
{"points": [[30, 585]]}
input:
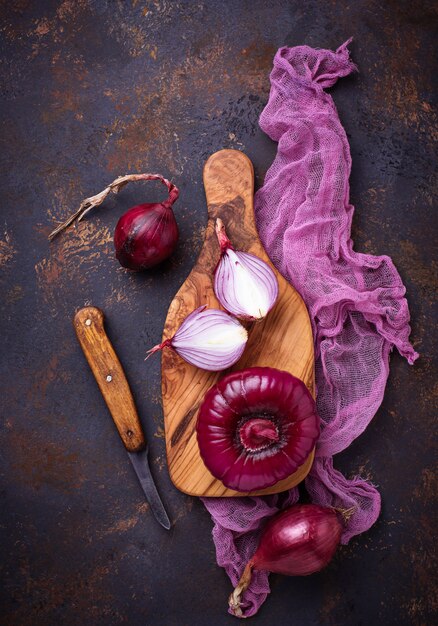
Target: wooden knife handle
{"points": [[108, 372]]}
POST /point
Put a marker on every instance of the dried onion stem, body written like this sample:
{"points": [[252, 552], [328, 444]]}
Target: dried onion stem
{"points": [[118, 184]]}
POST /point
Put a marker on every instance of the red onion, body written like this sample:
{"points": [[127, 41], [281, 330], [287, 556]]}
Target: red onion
{"points": [[208, 338], [146, 234], [296, 542], [244, 284], [256, 427]]}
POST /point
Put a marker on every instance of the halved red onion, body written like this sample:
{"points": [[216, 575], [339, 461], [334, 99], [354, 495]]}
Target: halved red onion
{"points": [[244, 284], [255, 427], [208, 338]]}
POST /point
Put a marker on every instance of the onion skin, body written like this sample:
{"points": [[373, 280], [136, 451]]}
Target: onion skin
{"points": [[296, 542], [256, 427], [145, 236], [299, 541]]}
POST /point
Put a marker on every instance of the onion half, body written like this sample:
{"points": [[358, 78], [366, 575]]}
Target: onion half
{"points": [[208, 338], [256, 427], [244, 284]]}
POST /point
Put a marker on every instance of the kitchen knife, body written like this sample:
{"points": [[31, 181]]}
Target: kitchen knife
{"points": [[108, 372]]}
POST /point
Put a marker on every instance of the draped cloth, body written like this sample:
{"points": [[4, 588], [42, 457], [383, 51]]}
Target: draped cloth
{"points": [[355, 301]]}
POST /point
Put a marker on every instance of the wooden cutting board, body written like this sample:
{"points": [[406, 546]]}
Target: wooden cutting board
{"points": [[282, 340]]}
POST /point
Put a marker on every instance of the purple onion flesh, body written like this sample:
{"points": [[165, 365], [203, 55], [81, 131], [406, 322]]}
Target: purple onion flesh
{"points": [[209, 339], [244, 284]]}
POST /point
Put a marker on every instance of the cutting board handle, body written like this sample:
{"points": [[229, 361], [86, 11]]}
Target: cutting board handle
{"points": [[108, 372], [229, 177], [229, 187]]}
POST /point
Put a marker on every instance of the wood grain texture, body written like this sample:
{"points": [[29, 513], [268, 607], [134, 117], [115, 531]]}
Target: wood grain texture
{"points": [[108, 372], [282, 340]]}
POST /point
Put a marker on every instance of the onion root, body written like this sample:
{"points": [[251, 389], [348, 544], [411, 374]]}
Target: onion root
{"points": [[234, 600]]}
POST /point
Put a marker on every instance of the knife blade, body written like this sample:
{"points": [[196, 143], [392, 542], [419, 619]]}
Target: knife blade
{"points": [[108, 372], [140, 463]]}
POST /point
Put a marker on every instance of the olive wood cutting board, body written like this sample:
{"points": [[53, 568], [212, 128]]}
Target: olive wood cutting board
{"points": [[282, 340]]}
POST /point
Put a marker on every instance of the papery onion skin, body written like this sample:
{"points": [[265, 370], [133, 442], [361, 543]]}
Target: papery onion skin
{"points": [[298, 541], [244, 284], [210, 339], [145, 235], [256, 427]]}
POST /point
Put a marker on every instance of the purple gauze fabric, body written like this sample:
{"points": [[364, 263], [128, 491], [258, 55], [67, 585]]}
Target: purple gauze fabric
{"points": [[355, 301]]}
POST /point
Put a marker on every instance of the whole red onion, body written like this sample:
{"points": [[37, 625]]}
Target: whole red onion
{"points": [[146, 234], [256, 427], [298, 541]]}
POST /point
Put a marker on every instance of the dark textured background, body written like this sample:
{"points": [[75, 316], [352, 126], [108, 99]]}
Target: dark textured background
{"points": [[94, 89]]}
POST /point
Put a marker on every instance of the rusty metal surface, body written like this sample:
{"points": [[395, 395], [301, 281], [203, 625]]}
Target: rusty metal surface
{"points": [[96, 88]]}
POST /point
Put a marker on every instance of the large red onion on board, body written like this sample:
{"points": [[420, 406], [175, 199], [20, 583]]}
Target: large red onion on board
{"points": [[296, 542], [256, 427], [146, 234]]}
